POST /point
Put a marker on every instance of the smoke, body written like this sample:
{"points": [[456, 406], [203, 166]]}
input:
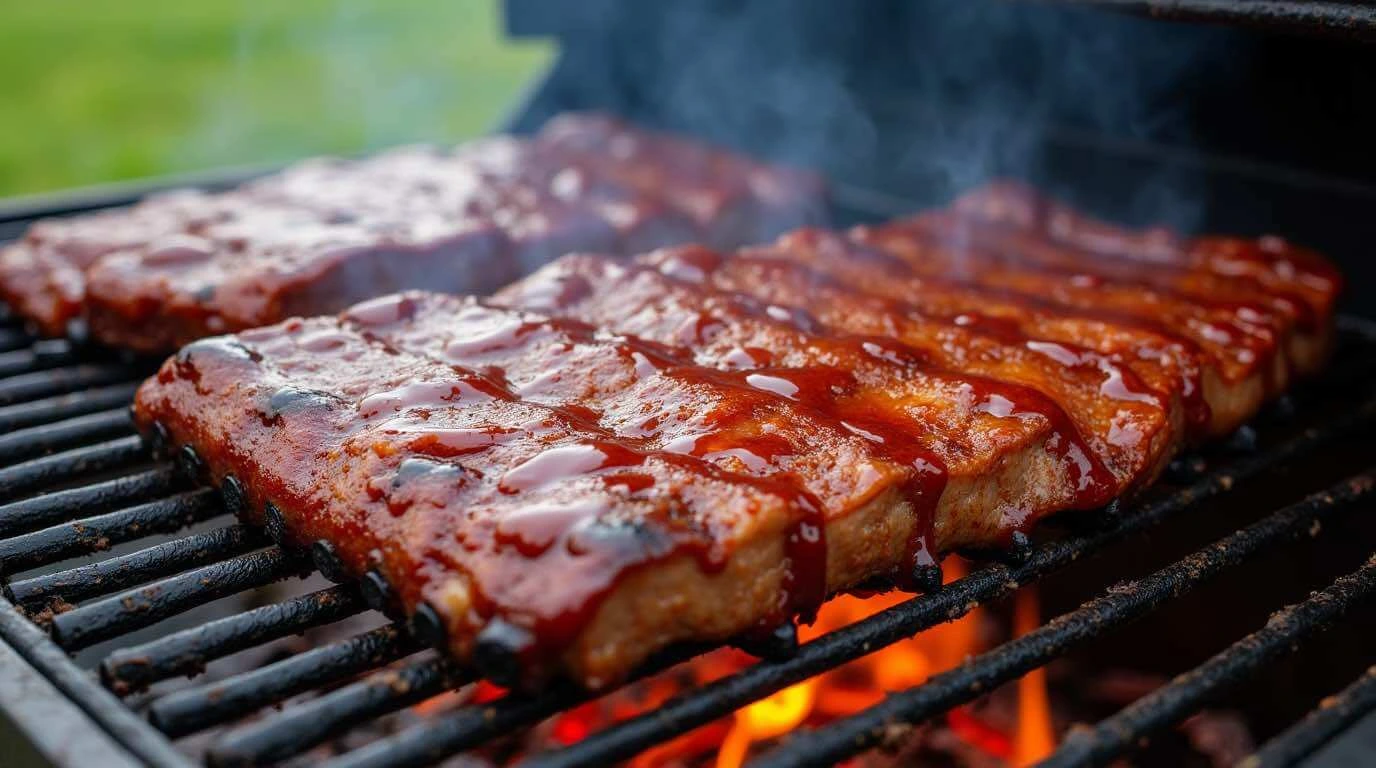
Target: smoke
{"points": [[920, 100], [926, 99]]}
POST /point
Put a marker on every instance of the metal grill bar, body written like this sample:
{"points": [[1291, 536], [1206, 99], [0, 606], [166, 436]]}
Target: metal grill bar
{"points": [[50, 470], [39, 356], [124, 613], [1174, 701], [194, 709], [304, 726], [13, 338], [465, 729], [93, 534], [136, 568], [27, 386], [1120, 604], [188, 651], [37, 440], [1331, 718], [78, 685], [722, 697], [53, 409], [29, 514]]}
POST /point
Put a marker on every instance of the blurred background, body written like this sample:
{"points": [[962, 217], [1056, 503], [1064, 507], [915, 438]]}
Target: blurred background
{"points": [[102, 91]]}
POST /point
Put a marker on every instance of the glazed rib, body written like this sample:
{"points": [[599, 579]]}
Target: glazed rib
{"points": [[1251, 348], [694, 299], [870, 467], [326, 233], [1277, 265], [610, 457]]}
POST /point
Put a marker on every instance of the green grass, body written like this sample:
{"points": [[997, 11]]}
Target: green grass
{"points": [[94, 91]]}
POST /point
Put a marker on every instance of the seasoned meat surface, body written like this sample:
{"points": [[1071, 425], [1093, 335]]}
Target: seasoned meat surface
{"points": [[610, 456], [324, 234], [1126, 425]]}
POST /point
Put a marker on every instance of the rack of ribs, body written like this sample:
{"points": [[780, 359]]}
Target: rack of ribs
{"points": [[609, 457], [325, 233]]}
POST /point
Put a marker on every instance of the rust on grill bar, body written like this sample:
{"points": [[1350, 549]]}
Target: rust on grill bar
{"points": [[40, 511], [46, 411], [26, 443], [198, 708], [94, 534], [304, 726], [121, 614], [187, 652], [34, 474], [136, 568]]}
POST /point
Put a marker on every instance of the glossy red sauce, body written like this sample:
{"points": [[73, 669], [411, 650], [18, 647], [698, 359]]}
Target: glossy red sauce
{"points": [[1014, 317], [325, 233], [1278, 265], [1241, 347], [502, 339], [1228, 294], [828, 373], [534, 536]]}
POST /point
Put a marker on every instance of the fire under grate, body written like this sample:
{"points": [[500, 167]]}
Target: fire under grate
{"points": [[76, 481]]}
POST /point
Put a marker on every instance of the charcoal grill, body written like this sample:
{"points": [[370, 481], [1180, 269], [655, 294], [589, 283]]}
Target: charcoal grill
{"points": [[112, 555]]}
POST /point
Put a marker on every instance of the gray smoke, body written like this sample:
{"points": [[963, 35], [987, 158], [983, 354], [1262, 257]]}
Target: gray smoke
{"points": [[924, 99]]}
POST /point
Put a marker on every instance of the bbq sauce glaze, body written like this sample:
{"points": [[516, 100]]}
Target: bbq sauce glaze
{"points": [[727, 330], [1242, 340], [569, 353], [814, 260], [1077, 379], [807, 396], [414, 489], [1273, 262]]}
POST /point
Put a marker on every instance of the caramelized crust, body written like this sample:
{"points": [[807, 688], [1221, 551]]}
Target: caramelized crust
{"points": [[327, 233], [611, 457]]}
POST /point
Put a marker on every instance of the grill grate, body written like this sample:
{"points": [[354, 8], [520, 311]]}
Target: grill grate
{"points": [[102, 487], [1120, 604], [1318, 727]]}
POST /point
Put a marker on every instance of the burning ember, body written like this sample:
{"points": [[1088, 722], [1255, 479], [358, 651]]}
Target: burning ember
{"points": [[1021, 737]]}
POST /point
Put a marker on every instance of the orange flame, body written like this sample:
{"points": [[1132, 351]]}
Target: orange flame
{"points": [[1035, 738], [861, 683], [767, 719], [837, 693]]}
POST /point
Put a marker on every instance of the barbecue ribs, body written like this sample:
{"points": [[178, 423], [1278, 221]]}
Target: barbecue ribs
{"points": [[326, 233], [612, 456]]}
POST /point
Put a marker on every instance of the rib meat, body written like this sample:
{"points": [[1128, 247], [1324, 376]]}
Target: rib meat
{"points": [[406, 428], [326, 233], [610, 456]]}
